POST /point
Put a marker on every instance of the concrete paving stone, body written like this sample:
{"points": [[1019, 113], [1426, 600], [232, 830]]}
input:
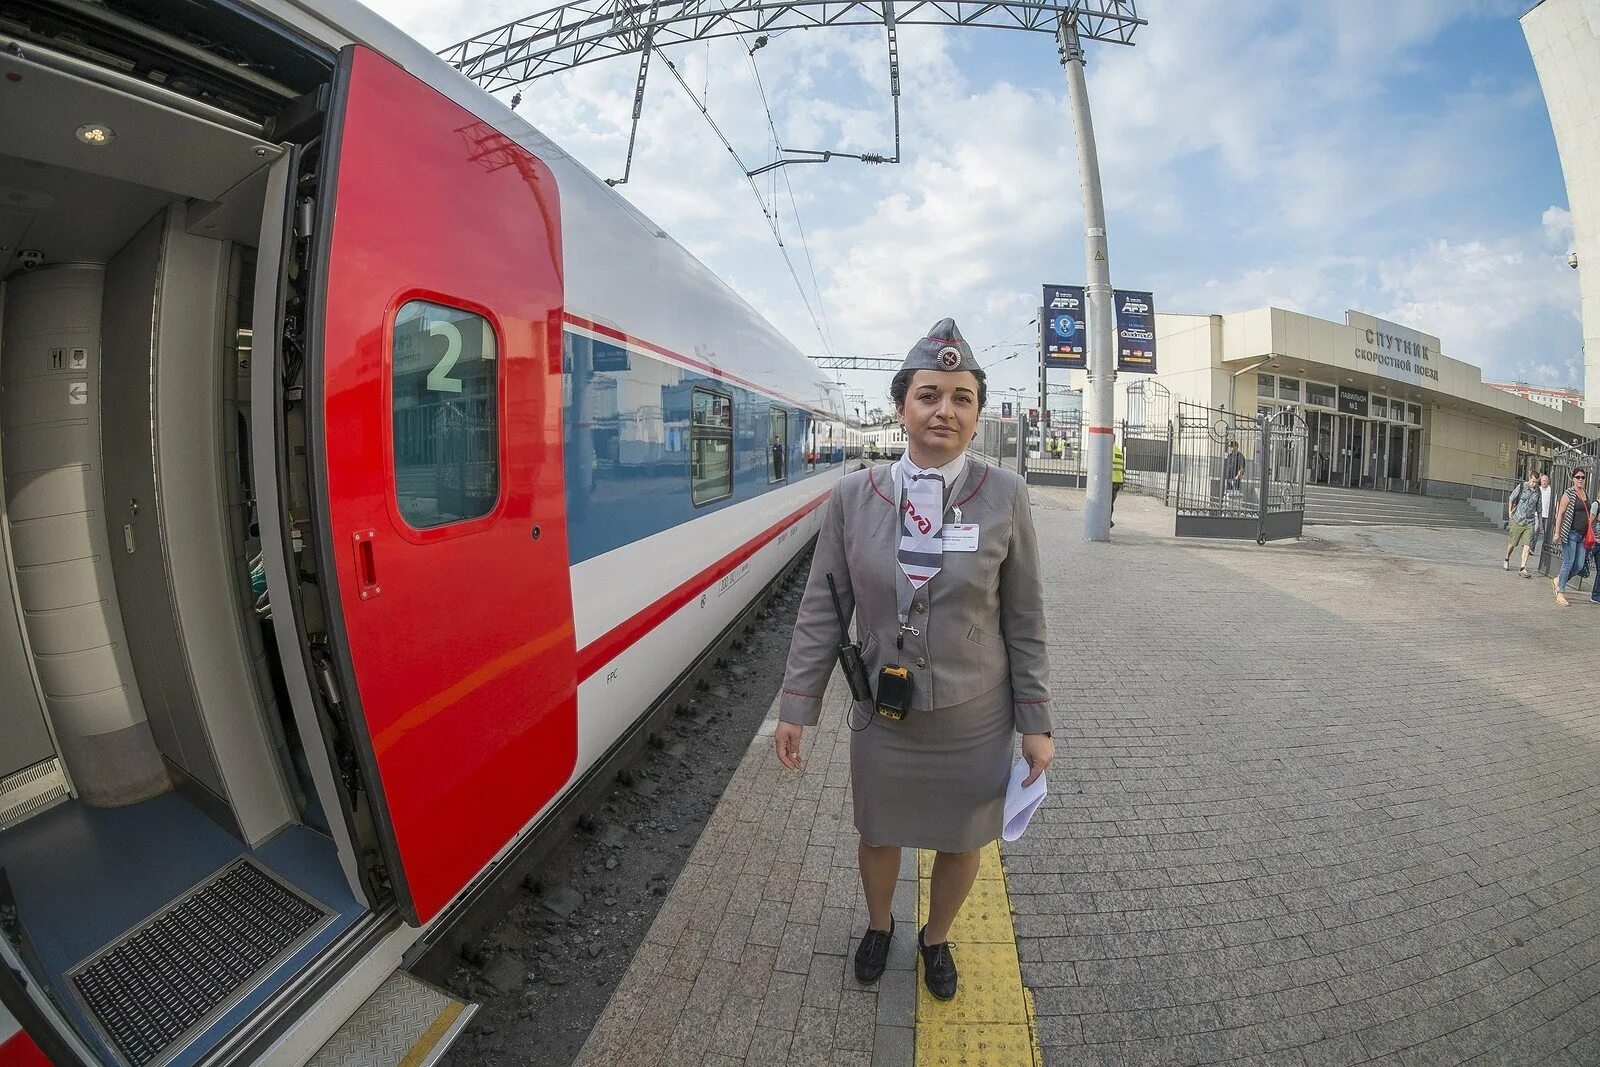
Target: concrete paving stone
{"points": [[1158, 1052], [768, 1046], [794, 951], [897, 998], [711, 986], [730, 937], [756, 966], [834, 932], [858, 1017], [806, 906], [1345, 1050], [1219, 1045], [894, 1046], [1085, 1056], [824, 983], [735, 1028], [691, 1037], [769, 923], [813, 1038], [780, 1010]]}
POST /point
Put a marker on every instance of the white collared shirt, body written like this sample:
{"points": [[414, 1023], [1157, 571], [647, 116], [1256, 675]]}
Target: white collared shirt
{"points": [[949, 472]]}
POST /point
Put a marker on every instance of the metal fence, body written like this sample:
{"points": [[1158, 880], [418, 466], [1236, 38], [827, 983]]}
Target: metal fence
{"points": [[1003, 442], [1237, 476]]}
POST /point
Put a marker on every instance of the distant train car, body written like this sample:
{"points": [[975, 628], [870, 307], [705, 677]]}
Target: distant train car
{"points": [[886, 442], [371, 470]]}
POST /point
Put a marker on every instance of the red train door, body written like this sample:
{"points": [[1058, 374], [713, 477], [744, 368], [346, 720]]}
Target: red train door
{"points": [[440, 331]]}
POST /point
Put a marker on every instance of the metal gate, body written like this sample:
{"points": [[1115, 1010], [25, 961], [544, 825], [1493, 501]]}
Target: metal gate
{"points": [[1147, 428], [1003, 442], [1238, 477], [1584, 457], [1058, 457]]}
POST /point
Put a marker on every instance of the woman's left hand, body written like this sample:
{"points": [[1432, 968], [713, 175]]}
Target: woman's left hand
{"points": [[1040, 751]]}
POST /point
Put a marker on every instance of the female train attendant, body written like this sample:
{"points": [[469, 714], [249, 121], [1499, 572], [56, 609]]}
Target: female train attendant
{"points": [[936, 558]]}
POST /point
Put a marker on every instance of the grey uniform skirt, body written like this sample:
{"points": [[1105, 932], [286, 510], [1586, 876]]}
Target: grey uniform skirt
{"points": [[935, 779]]}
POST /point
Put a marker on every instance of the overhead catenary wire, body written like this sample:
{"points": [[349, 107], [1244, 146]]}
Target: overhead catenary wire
{"points": [[766, 213], [794, 205]]}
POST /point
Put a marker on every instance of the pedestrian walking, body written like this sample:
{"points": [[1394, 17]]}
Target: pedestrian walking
{"points": [[1116, 476], [1572, 529], [937, 560], [1522, 511], [1233, 468], [1592, 549], [1541, 530]]}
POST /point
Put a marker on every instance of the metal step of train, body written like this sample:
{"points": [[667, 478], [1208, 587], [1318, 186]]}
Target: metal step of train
{"points": [[405, 1023]]}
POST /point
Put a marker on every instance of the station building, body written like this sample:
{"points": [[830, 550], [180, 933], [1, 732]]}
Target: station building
{"points": [[1384, 407]]}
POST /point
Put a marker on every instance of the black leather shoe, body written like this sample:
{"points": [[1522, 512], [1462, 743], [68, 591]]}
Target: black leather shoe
{"points": [[872, 953], [938, 968]]}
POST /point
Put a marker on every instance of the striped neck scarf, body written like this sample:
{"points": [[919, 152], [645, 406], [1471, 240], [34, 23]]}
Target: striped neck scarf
{"points": [[921, 552]]}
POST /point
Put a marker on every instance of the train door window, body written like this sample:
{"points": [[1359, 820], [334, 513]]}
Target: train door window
{"points": [[778, 446], [445, 402], [710, 446]]}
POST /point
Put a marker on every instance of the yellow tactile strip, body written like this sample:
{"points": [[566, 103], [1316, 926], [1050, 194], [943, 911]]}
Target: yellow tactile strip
{"points": [[990, 1021]]}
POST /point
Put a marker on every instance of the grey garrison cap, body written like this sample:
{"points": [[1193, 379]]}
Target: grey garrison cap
{"points": [[943, 349]]}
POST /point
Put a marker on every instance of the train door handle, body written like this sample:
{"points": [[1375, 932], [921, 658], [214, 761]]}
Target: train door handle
{"points": [[366, 565]]}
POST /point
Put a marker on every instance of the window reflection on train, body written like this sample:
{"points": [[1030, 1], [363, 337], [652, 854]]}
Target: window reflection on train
{"points": [[446, 415], [649, 444]]}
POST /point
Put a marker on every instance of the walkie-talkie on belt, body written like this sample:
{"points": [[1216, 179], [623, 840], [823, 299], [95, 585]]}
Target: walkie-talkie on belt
{"points": [[855, 672]]}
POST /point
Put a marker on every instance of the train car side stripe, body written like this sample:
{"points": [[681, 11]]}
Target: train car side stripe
{"points": [[611, 333], [595, 655]]}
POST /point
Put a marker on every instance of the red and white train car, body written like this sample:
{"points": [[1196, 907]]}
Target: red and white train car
{"points": [[371, 470]]}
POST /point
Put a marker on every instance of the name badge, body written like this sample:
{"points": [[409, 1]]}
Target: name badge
{"points": [[959, 538]]}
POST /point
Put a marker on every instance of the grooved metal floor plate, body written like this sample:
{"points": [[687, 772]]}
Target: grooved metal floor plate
{"points": [[405, 1023], [166, 978]]}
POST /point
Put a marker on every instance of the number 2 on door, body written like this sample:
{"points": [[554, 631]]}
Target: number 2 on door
{"points": [[439, 379]]}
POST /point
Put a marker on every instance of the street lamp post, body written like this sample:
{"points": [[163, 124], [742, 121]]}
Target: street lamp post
{"points": [[1098, 408]]}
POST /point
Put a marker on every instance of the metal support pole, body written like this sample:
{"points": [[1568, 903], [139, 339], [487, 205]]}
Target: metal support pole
{"points": [[1166, 494], [1044, 390], [1264, 459], [1097, 401]]}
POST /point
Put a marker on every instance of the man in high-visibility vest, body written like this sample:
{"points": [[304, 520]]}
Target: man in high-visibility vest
{"points": [[1116, 476]]}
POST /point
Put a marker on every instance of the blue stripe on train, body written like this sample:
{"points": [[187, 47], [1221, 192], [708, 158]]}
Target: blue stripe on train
{"points": [[626, 441]]}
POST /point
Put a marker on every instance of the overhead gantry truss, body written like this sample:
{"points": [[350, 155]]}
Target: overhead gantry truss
{"points": [[587, 31]]}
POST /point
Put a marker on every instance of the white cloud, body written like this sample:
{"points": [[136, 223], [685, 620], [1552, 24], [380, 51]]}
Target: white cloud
{"points": [[1252, 154]]}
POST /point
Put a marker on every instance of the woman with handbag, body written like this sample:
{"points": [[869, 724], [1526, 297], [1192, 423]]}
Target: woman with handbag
{"points": [[936, 558], [1574, 531]]}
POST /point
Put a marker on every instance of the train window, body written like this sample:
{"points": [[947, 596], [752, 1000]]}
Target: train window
{"points": [[778, 446], [445, 399], [710, 446]]}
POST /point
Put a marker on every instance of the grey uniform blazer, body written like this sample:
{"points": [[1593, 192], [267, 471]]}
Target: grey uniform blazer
{"points": [[981, 617]]}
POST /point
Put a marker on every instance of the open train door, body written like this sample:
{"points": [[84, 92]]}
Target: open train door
{"points": [[437, 330]]}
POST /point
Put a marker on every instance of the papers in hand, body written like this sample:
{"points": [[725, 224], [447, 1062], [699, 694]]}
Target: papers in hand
{"points": [[1021, 801]]}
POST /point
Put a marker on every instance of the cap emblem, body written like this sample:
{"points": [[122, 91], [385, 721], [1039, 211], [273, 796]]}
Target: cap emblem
{"points": [[949, 358]]}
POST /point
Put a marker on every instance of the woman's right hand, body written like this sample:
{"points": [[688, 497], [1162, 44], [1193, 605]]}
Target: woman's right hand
{"points": [[786, 739]]}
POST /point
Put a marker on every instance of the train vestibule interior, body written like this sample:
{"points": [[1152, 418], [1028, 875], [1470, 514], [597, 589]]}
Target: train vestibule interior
{"points": [[148, 751]]}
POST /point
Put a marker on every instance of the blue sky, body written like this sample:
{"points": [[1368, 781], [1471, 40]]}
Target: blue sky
{"points": [[1393, 156]]}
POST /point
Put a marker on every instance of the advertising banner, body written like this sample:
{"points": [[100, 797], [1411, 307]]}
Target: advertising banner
{"points": [[1005, 409], [1136, 331], [1063, 328]]}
